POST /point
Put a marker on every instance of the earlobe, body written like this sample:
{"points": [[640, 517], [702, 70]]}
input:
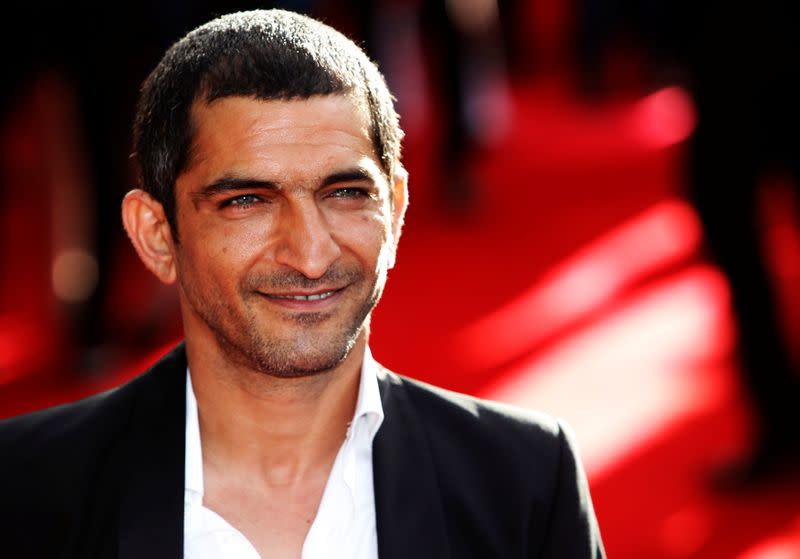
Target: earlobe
{"points": [[149, 231]]}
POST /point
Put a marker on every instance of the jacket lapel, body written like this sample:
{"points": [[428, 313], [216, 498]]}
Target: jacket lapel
{"points": [[409, 515], [151, 501]]}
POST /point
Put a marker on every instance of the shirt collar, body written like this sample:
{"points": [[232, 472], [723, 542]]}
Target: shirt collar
{"points": [[368, 412], [369, 408], [194, 454]]}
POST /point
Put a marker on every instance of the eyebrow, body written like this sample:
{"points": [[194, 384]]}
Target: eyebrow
{"points": [[356, 174]]}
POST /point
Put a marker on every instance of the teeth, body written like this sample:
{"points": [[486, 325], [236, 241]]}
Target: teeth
{"points": [[315, 297]]}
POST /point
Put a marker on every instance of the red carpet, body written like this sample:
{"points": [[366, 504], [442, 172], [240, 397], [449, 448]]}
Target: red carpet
{"points": [[578, 287]]}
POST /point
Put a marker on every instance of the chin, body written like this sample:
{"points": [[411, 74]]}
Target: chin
{"points": [[300, 358], [297, 368]]}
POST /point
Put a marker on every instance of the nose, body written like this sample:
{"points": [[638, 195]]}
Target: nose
{"points": [[305, 241]]}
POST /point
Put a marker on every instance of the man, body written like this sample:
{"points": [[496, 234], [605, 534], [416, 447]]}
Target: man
{"points": [[273, 196]]}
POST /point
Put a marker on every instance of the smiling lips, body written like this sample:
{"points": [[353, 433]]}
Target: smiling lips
{"points": [[312, 297]]}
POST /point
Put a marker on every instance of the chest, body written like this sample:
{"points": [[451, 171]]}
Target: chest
{"points": [[275, 520]]}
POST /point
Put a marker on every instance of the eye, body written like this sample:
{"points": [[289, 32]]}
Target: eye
{"points": [[241, 202], [350, 192]]}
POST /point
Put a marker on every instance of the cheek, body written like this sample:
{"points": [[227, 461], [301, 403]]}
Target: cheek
{"points": [[369, 240], [225, 245], [365, 233], [211, 263]]}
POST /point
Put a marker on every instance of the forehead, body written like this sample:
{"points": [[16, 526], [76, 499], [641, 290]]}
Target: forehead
{"points": [[233, 131]]}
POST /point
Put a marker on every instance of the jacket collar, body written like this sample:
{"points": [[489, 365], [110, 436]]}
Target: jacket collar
{"points": [[409, 515], [151, 500], [408, 507]]}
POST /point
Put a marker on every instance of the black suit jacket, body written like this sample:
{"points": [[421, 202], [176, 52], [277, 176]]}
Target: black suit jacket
{"points": [[454, 477]]}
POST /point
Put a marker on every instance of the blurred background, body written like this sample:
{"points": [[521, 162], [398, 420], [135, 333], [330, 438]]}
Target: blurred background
{"points": [[603, 225]]}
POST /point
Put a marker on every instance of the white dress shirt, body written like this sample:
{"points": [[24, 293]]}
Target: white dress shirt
{"points": [[345, 522]]}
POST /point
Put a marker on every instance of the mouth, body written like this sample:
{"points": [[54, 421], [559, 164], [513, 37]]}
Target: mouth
{"points": [[304, 301], [300, 297]]}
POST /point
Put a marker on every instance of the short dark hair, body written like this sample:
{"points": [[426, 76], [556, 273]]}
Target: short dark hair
{"points": [[265, 54]]}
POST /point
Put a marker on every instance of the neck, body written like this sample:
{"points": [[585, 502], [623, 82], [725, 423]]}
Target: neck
{"points": [[278, 430]]}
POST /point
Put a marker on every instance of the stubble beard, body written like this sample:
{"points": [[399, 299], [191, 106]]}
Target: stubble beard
{"points": [[307, 353]]}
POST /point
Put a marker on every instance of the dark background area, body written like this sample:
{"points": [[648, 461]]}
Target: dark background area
{"points": [[603, 225]]}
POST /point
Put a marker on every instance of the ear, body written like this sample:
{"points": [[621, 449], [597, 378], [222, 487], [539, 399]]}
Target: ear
{"points": [[400, 203], [149, 231]]}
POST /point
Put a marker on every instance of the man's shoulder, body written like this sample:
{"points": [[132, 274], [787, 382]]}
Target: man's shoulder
{"points": [[509, 450], [71, 428], [472, 409], [63, 468], [497, 469], [448, 414], [52, 428]]}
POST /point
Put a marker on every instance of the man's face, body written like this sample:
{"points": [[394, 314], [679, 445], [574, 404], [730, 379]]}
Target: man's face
{"points": [[286, 231]]}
